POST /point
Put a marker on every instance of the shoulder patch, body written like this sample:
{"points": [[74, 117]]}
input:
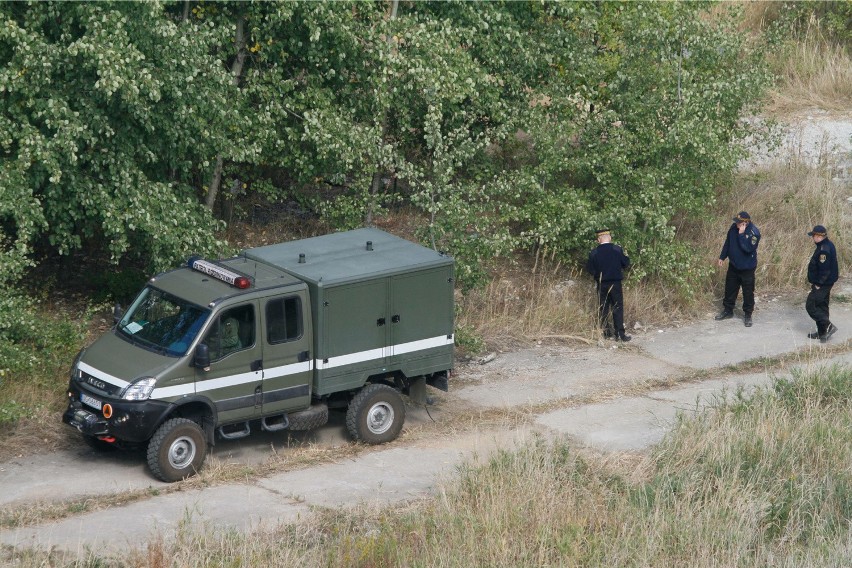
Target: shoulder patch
{"points": [[822, 257], [754, 239]]}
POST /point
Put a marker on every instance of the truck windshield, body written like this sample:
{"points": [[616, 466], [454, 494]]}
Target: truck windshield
{"points": [[162, 322]]}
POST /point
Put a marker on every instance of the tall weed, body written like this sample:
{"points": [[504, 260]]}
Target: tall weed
{"points": [[809, 52], [812, 73], [785, 201]]}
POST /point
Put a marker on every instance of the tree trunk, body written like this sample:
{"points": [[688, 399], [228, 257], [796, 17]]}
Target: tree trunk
{"points": [[236, 72], [375, 185]]}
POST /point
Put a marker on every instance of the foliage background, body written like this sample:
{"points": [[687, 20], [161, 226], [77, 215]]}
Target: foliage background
{"points": [[505, 125]]}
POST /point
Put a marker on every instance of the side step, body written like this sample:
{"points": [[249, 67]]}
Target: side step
{"points": [[274, 423], [236, 434]]}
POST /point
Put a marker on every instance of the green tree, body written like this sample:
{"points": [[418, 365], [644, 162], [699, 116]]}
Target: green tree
{"points": [[504, 124], [508, 124], [635, 122], [111, 114]]}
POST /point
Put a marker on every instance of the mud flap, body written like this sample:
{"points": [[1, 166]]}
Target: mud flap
{"points": [[439, 381], [417, 390]]}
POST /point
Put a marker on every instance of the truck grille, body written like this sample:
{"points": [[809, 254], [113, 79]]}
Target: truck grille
{"points": [[97, 385]]}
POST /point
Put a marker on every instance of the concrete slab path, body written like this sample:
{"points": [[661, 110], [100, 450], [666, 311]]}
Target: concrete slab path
{"points": [[613, 397]]}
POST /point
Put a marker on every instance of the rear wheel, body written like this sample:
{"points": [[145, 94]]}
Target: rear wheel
{"points": [[376, 414], [177, 450]]}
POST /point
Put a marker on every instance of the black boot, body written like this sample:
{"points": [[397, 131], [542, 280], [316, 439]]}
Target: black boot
{"points": [[829, 331]]}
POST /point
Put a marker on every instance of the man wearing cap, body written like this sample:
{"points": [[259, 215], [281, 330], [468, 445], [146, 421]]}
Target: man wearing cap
{"points": [[822, 274], [740, 249], [606, 264]]}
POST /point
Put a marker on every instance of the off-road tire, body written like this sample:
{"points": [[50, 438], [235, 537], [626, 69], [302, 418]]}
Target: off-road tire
{"points": [[376, 414], [313, 417], [177, 450]]}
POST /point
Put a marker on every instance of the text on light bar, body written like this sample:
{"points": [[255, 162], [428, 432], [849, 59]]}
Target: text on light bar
{"points": [[220, 273]]}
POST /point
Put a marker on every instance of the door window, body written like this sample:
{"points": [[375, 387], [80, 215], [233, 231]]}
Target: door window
{"points": [[232, 331], [283, 320]]}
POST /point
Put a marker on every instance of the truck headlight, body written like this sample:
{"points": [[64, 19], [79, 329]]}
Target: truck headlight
{"points": [[140, 389], [75, 369]]}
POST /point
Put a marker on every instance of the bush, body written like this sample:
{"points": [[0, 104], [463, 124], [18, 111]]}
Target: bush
{"points": [[36, 350]]}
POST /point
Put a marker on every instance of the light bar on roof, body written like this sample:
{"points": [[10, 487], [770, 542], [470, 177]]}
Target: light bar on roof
{"points": [[223, 274]]}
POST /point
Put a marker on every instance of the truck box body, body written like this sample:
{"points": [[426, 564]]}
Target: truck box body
{"points": [[379, 303]]}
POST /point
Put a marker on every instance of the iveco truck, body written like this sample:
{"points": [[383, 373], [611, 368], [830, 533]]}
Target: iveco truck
{"points": [[269, 339]]}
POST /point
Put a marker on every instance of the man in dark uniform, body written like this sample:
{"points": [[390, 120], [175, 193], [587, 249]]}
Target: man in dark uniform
{"points": [[606, 265], [822, 274], [740, 249]]}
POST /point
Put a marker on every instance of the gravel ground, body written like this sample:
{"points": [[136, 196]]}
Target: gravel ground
{"points": [[814, 137]]}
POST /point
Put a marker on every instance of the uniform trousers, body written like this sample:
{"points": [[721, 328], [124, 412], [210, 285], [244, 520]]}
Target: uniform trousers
{"points": [[734, 280], [817, 306], [611, 299]]}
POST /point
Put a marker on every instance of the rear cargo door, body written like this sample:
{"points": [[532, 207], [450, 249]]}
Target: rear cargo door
{"points": [[421, 311], [287, 354], [357, 326]]}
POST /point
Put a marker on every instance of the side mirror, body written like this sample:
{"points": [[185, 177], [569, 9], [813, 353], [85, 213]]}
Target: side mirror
{"points": [[117, 313], [202, 357]]}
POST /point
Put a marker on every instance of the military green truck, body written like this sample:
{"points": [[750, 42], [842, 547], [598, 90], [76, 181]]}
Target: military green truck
{"points": [[271, 339]]}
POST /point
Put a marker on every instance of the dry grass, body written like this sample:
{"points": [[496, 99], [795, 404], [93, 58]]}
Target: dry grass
{"points": [[814, 74], [785, 202], [558, 305], [763, 482], [515, 309], [756, 13], [812, 71]]}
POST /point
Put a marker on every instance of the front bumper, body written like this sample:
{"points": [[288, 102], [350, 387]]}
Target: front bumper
{"points": [[130, 421]]}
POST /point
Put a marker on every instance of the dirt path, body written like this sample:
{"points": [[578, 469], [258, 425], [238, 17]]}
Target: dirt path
{"points": [[611, 397], [816, 138]]}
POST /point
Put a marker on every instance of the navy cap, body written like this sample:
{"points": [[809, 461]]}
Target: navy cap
{"points": [[600, 232], [742, 217], [819, 231]]}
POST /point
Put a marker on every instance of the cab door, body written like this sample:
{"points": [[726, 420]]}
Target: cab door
{"points": [[233, 382], [287, 355]]}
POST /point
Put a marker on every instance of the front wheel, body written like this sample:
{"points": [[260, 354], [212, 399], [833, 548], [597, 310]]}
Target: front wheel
{"points": [[376, 414], [177, 450]]}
